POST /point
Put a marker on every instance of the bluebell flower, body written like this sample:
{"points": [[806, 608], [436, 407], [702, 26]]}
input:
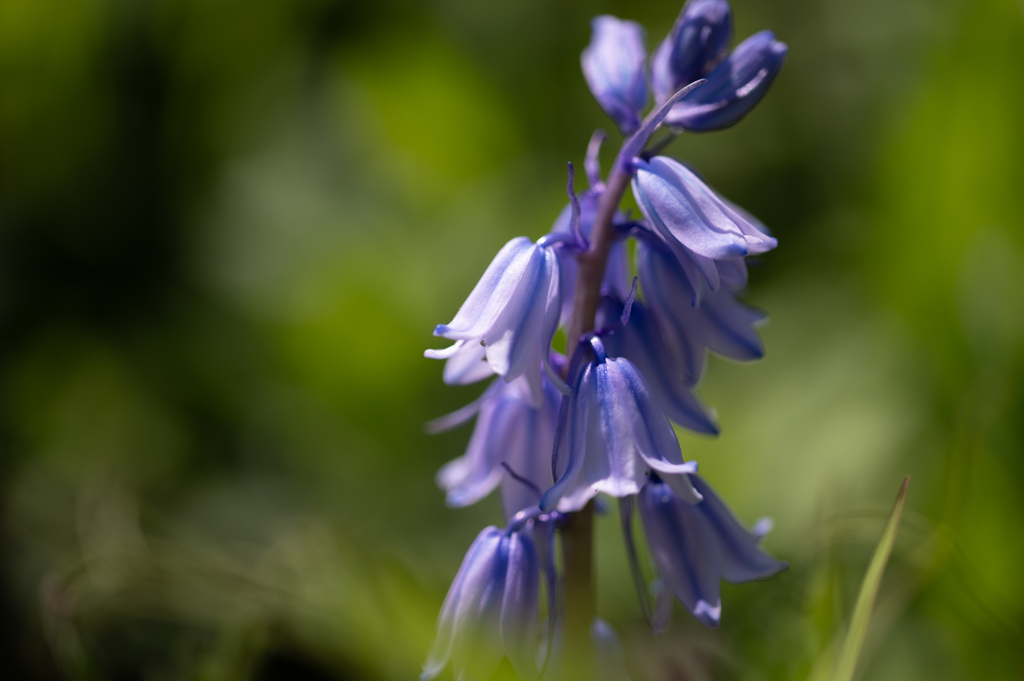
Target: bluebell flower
{"points": [[734, 87], [491, 610], [720, 322], [696, 545], [698, 41], [641, 341], [509, 430], [700, 226], [512, 313], [614, 68], [615, 433]]}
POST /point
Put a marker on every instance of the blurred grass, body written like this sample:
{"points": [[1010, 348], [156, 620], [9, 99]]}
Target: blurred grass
{"points": [[228, 228]]}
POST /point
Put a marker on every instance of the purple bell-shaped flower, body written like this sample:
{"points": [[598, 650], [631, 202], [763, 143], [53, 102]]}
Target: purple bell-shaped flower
{"points": [[511, 446], [694, 220], [508, 320], [720, 322], [696, 545], [491, 609], [614, 68], [698, 41], [615, 434], [734, 87], [640, 341]]}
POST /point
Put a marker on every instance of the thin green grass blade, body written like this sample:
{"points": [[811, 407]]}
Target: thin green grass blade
{"points": [[854, 642]]}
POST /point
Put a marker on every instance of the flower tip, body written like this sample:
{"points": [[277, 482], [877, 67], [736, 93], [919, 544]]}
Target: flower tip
{"points": [[763, 526], [708, 616], [441, 329]]}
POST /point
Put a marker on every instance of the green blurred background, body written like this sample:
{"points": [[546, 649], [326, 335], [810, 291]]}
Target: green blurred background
{"points": [[227, 228]]}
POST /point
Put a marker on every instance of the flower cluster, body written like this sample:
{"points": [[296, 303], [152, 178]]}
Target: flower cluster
{"points": [[552, 430]]}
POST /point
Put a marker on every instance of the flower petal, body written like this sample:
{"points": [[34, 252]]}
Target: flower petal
{"points": [[613, 464], [734, 87], [519, 338], [682, 208], [528, 453], [467, 365], [698, 41], [472, 476], [491, 294], [641, 342], [653, 441], [442, 649], [683, 550], [574, 440], [519, 608], [613, 66], [721, 323], [477, 648], [740, 558], [682, 485]]}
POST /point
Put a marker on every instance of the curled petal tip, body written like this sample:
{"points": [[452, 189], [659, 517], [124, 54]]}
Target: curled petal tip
{"points": [[763, 526], [708, 615]]}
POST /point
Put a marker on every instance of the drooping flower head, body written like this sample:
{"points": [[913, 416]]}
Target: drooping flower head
{"points": [[734, 87], [511, 446], [614, 68], [616, 434], [698, 41], [694, 545], [641, 341], [701, 227], [694, 49], [720, 323], [492, 607], [508, 319]]}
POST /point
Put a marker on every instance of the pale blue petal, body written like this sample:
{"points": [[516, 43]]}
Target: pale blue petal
{"points": [[440, 653], [477, 648], [682, 485], [531, 460], [613, 66], [613, 463], [683, 551], [671, 297], [733, 273], [574, 439], [740, 558], [519, 609], [641, 342], [683, 208], [652, 438], [467, 365], [514, 339], [491, 294], [721, 323]]}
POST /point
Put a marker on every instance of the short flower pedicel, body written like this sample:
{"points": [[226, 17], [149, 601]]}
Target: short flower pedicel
{"points": [[555, 431]]}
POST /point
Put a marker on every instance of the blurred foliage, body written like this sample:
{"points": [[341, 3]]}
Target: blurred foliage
{"points": [[227, 229]]}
